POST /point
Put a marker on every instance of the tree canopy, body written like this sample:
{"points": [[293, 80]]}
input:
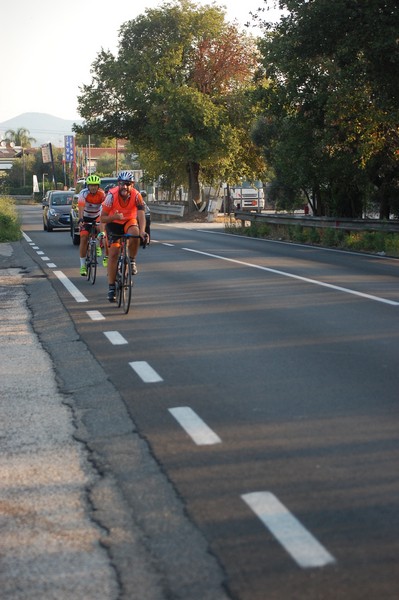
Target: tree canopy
{"points": [[331, 114], [173, 90]]}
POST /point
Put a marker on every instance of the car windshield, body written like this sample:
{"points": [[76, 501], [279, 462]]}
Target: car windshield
{"points": [[62, 199]]}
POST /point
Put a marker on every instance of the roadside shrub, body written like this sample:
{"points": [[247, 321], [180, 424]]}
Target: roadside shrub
{"points": [[263, 230], [330, 237], [392, 244], [353, 241], [373, 241], [298, 234], [10, 225], [312, 235]]}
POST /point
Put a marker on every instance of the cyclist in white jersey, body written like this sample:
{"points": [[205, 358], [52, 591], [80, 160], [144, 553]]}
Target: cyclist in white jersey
{"points": [[90, 200]]}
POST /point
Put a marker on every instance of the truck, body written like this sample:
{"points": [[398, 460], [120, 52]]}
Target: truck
{"points": [[246, 196]]}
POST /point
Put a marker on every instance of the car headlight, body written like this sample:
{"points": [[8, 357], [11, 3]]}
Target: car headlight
{"points": [[52, 212]]}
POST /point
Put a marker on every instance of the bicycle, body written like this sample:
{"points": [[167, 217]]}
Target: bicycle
{"points": [[124, 279], [91, 254]]}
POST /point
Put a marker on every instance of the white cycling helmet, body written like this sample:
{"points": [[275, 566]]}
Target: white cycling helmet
{"points": [[126, 176]]}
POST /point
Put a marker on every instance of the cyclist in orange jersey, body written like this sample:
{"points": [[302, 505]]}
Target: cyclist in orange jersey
{"points": [[123, 211]]}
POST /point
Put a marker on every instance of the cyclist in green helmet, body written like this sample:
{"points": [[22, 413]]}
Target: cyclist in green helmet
{"points": [[89, 206]]}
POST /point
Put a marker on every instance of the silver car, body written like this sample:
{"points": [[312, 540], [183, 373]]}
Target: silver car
{"points": [[56, 209]]}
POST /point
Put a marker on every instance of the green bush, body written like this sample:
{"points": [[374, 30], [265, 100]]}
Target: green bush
{"points": [[10, 225], [392, 244], [263, 230], [312, 235]]}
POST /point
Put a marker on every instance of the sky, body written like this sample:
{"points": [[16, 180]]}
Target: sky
{"points": [[48, 48]]}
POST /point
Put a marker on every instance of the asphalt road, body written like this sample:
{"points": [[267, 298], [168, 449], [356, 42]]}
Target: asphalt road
{"points": [[262, 377]]}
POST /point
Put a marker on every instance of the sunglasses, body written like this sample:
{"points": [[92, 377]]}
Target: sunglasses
{"points": [[128, 183]]}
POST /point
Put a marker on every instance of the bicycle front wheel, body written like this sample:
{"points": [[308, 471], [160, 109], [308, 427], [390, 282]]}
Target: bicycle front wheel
{"points": [[118, 282], [93, 262], [88, 263], [126, 288]]}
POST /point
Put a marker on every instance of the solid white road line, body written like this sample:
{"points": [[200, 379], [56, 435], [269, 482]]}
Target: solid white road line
{"points": [[306, 279], [72, 289], [115, 337], [286, 528], [147, 373], [95, 315], [194, 426]]}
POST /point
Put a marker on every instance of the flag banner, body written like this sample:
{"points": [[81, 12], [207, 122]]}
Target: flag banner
{"points": [[47, 153], [69, 146], [35, 184]]}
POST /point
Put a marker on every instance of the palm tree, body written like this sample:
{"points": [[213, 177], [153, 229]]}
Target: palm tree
{"points": [[20, 137]]}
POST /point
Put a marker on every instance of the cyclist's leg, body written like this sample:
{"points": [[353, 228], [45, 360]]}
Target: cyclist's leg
{"points": [[113, 230], [105, 249], [99, 230], [84, 240], [133, 245]]}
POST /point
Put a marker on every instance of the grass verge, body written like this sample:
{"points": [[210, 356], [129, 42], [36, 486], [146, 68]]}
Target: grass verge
{"points": [[10, 224]]}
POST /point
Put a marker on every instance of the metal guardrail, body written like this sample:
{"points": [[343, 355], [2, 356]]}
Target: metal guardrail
{"points": [[166, 210], [391, 226]]}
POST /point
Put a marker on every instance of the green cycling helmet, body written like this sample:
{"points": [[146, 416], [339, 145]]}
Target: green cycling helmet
{"points": [[93, 180]]}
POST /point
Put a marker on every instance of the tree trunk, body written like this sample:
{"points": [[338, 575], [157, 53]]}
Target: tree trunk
{"points": [[385, 208], [194, 193]]}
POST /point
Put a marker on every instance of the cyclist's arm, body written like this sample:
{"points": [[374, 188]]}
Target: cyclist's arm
{"points": [[81, 206], [106, 211], [108, 218], [141, 220]]}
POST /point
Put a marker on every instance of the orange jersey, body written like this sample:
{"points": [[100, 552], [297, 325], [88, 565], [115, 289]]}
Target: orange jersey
{"points": [[112, 204]]}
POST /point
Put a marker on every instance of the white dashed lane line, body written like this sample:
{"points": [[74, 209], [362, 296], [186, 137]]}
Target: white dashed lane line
{"points": [[145, 371], [72, 289], [95, 315], [298, 541], [194, 426], [115, 337]]}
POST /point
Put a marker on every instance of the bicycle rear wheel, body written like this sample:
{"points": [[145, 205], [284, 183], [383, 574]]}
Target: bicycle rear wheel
{"points": [[126, 288]]}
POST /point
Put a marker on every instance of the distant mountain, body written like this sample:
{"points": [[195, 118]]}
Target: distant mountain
{"points": [[41, 126]]}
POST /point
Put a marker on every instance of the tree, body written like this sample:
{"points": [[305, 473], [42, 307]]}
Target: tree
{"points": [[19, 137], [170, 90], [330, 124]]}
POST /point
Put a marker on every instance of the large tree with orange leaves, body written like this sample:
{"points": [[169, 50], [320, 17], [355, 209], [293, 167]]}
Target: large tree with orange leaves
{"points": [[174, 90]]}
